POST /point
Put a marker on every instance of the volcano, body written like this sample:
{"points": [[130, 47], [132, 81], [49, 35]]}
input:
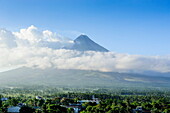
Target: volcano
{"points": [[84, 43]]}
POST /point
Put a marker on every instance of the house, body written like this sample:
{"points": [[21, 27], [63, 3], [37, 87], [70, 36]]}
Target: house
{"points": [[140, 110], [94, 100], [76, 107], [4, 99], [36, 107], [38, 97], [21, 104], [13, 109]]}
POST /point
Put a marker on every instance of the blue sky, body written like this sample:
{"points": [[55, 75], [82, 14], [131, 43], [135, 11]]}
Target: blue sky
{"points": [[125, 26]]}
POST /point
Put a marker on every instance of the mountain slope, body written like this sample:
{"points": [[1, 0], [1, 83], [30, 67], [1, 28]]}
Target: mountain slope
{"points": [[79, 78], [84, 43]]}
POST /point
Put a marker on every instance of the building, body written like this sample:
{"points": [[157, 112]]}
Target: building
{"points": [[13, 109], [94, 100], [76, 107], [38, 97], [4, 99], [140, 110]]}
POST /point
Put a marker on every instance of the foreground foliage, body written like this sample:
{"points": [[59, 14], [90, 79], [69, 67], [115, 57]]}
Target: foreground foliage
{"points": [[111, 101]]}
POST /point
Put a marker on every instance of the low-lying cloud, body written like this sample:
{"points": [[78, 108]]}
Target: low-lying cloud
{"points": [[33, 48]]}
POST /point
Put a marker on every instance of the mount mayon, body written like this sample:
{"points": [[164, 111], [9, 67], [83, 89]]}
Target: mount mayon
{"points": [[80, 78], [84, 43]]}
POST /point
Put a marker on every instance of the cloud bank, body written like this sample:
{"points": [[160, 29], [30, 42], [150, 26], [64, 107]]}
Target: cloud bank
{"points": [[33, 48]]}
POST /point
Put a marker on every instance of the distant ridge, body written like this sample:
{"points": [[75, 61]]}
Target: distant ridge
{"points": [[84, 43]]}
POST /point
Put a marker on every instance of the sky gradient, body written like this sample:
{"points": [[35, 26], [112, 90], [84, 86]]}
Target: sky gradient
{"points": [[124, 26]]}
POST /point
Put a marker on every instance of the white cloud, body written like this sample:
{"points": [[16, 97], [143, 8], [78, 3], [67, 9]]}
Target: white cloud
{"points": [[7, 39], [39, 49], [35, 38]]}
